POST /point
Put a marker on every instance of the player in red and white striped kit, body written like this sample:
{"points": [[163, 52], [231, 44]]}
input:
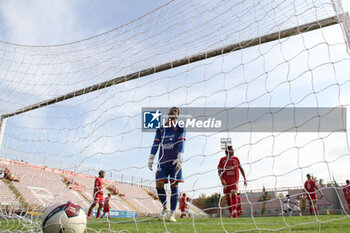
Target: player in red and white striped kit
{"points": [[184, 206], [311, 187], [107, 206], [346, 191], [97, 195], [228, 169], [239, 205]]}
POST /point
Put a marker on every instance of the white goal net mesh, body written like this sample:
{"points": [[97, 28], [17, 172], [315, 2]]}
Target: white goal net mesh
{"points": [[63, 120]]}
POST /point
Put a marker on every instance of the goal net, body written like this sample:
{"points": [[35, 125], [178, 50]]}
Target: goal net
{"points": [[70, 110]]}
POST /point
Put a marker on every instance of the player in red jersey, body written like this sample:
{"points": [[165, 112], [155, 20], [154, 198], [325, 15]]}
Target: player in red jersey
{"points": [[97, 195], [239, 205], [311, 187], [184, 206], [107, 206], [228, 169], [346, 191]]}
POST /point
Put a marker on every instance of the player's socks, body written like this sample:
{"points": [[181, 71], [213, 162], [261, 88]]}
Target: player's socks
{"points": [[315, 211], [229, 204], [234, 203], [311, 211], [172, 216], [98, 214], [162, 196], [174, 198], [234, 214], [164, 213], [89, 214]]}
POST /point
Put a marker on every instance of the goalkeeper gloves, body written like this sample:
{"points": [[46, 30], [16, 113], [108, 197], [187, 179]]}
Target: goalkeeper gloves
{"points": [[178, 161], [150, 162]]}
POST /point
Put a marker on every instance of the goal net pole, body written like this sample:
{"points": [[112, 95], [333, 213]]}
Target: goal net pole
{"points": [[344, 21], [184, 61], [2, 128]]}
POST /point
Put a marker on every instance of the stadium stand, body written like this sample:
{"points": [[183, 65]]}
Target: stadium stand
{"points": [[253, 202], [39, 187], [32, 186], [7, 197]]}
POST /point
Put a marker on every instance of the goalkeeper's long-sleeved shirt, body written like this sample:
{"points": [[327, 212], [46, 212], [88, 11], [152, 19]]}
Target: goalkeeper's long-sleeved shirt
{"points": [[170, 141]]}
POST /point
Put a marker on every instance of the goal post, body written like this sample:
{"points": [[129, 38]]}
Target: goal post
{"points": [[344, 20], [2, 128], [185, 61]]}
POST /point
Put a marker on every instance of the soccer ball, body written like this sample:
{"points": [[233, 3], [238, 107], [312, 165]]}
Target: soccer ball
{"points": [[66, 217]]}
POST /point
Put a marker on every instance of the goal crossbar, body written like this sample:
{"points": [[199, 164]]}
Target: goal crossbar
{"points": [[183, 61]]}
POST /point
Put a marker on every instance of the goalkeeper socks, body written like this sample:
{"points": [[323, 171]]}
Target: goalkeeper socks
{"points": [[174, 198], [311, 211], [162, 196]]}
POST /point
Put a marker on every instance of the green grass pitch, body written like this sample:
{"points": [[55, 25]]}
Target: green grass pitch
{"points": [[335, 223], [325, 223]]}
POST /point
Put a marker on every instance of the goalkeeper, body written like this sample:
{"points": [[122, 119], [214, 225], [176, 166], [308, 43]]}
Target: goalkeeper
{"points": [[170, 139]]}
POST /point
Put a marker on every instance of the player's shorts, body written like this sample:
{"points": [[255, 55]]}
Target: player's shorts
{"points": [[286, 207], [183, 209], [311, 196], [296, 208], [230, 188], [107, 209], [166, 171], [98, 199], [348, 201]]}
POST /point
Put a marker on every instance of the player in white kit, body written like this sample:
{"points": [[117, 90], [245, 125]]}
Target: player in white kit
{"points": [[286, 207], [297, 206]]}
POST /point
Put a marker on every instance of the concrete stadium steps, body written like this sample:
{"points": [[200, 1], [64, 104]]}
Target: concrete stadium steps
{"points": [[138, 197], [135, 199], [41, 185], [84, 180], [7, 197], [197, 212]]}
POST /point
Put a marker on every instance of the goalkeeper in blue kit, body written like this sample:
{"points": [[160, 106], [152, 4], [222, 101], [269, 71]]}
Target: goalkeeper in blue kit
{"points": [[170, 141]]}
